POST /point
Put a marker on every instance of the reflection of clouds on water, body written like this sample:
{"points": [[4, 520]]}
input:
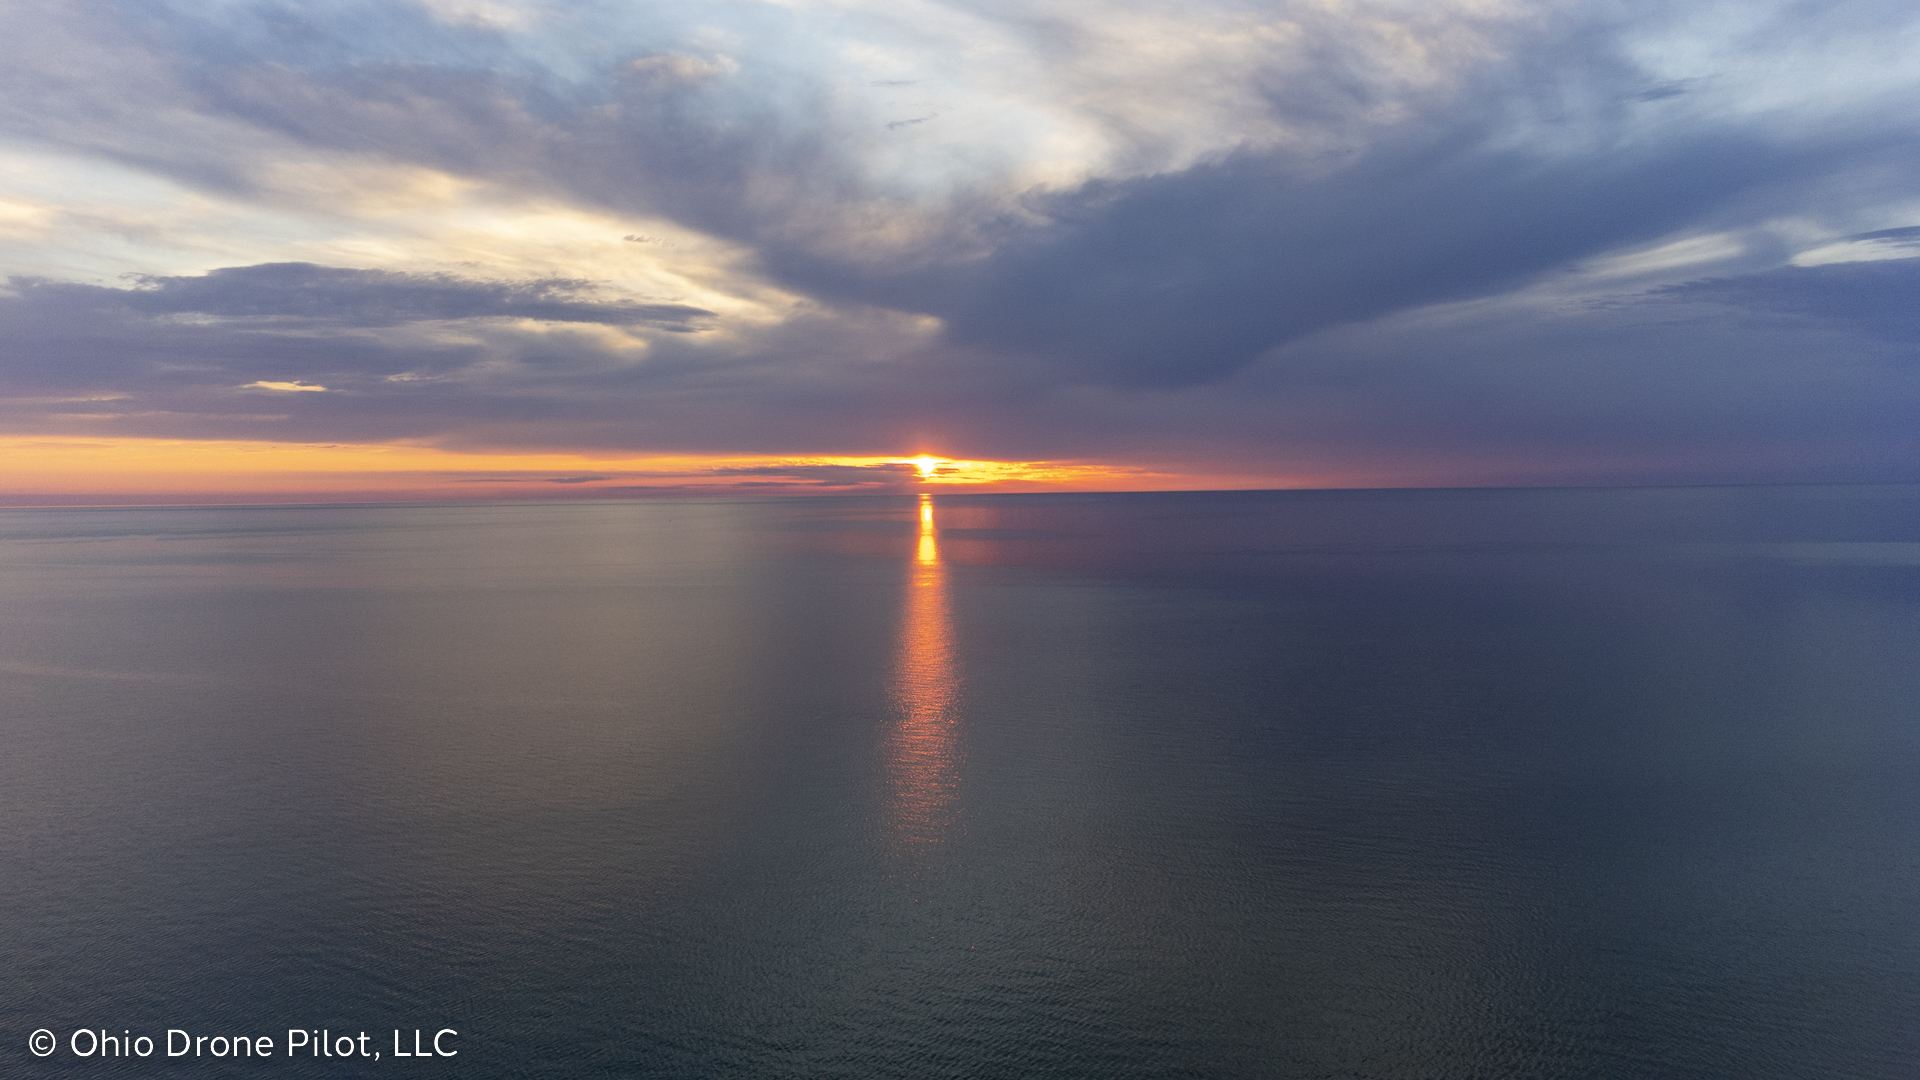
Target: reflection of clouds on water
{"points": [[922, 766]]}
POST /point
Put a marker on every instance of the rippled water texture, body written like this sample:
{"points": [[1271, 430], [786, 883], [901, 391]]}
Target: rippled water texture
{"points": [[1607, 783]]}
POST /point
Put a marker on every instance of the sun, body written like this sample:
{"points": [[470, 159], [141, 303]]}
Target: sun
{"points": [[926, 465]]}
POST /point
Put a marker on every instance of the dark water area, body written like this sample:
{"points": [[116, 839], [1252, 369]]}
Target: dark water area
{"points": [[1415, 784]]}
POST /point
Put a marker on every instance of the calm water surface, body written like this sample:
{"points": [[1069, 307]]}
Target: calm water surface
{"points": [[1603, 783]]}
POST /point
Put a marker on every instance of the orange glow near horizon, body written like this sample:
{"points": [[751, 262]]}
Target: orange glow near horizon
{"points": [[48, 470], [921, 752]]}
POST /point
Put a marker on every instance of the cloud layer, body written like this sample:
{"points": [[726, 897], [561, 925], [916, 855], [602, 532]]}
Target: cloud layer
{"points": [[1468, 242]]}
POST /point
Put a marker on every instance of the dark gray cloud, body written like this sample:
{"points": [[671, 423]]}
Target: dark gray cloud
{"points": [[1881, 299], [1714, 381], [888, 474], [364, 298], [1183, 279]]}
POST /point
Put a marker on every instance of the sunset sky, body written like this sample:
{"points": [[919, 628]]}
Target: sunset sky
{"points": [[531, 248]]}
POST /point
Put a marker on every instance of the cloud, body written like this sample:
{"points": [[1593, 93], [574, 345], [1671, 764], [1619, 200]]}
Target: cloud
{"points": [[1521, 171], [679, 68], [887, 474], [1491, 239], [366, 298], [1184, 279], [1901, 243], [1872, 298], [289, 387]]}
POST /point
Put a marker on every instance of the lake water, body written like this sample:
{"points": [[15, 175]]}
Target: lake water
{"points": [[1415, 784]]}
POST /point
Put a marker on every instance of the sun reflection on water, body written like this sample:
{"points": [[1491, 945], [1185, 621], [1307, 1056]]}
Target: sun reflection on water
{"points": [[929, 555], [921, 756]]}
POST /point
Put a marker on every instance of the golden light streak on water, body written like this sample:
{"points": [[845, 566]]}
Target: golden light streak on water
{"points": [[921, 752], [929, 554]]}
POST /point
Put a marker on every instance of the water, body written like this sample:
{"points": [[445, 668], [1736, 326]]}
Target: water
{"points": [[1604, 783]]}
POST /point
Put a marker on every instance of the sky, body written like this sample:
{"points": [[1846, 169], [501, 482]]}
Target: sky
{"points": [[298, 251]]}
